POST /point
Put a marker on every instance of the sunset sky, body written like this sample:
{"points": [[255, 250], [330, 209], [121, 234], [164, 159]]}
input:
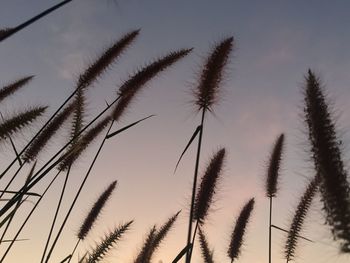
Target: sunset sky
{"points": [[276, 42]]}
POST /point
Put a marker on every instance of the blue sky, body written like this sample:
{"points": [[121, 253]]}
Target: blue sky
{"points": [[275, 43]]}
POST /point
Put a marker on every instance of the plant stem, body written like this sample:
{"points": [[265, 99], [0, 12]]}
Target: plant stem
{"points": [[77, 195], [270, 223], [33, 19], [37, 176], [189, 234], [76, 245], [56, 213], [13, 177], [28, 216]]}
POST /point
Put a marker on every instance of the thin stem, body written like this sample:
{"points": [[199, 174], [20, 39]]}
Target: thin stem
{"points": [[37, 176], [270, 226], [189, 234], [28, 216], [56, 213], [194, 238], [33, 19], [75, 248], [13, 178], [77, 195]]}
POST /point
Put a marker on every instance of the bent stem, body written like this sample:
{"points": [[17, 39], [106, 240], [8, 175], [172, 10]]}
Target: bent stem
{"points": [[77, 194], [189, 234]]}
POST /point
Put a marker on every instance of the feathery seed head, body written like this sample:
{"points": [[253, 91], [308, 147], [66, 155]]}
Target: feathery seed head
{"points": [[274, 167], [82, 143], [327, 157], [208, 186], [105, 60], [21, 120], [134, 84], [96, 209], [14, 86], [39, 142], [101, 249], [237, 235], [206, 93], [147, 245], [206, 253], [299, 218]]}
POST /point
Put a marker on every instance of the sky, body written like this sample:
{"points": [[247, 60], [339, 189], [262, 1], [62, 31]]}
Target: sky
{"points": [[276, 42]]}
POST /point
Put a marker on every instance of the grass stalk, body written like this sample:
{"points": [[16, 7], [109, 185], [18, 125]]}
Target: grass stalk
{"points": [[77, 195], [14, 30]]}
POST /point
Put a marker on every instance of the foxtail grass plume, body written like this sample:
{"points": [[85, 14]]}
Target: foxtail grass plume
{"points": [[10, 126], [207, 254], [160, 236], [4, 32], [109, 56], [96, 209], [147, 245], [107, 243], [207, 91], [82, 143], [207, 187], [239, 230], [78, 115], [42, 139], [13, 87], [133, 85], [299, 218], [327, 157], [274, 167]]}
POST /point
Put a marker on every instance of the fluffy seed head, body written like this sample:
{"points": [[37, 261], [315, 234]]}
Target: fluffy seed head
{"points": [[82, 143], [206, 93], [237, 235], [106, 59], [133, 85], [207, 187], [101, 249], [274, 167], [41, 140], [206, 253], [14, 86], [95, 210], [10, 126], [299, 218], [144, 253], [327, 157]]}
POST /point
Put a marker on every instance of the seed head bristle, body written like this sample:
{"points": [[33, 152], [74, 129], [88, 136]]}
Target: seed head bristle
{"points": [[134, 84], [327, 157], [109, 56], [39, 142], [82, 143], [237, 235], [299, 218], [144, 252], [95, 210], [14, 86], [101, 249], [205, 251], [207, 187], [274, 167], [18, 122], [206, 93]]}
